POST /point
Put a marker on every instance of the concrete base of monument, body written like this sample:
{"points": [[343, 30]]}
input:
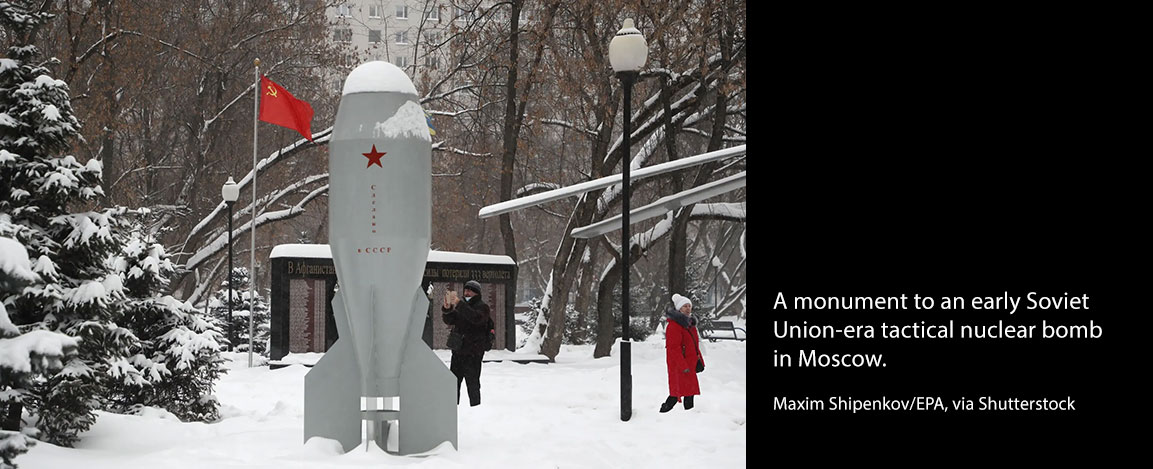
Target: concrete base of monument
{"points": [[309, 359]]}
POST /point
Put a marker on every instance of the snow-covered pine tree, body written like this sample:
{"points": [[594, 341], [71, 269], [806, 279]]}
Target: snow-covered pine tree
{"points": [[23, 357], [180, 349], [70, 252], [576, 331], [525, 324], [241, 306]]}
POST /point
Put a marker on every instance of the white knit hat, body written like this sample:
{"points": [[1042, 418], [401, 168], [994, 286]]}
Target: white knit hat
{"points": [[680, 301]]}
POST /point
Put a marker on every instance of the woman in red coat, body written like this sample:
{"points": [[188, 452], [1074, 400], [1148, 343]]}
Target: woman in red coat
{"points": [[682, 354]]}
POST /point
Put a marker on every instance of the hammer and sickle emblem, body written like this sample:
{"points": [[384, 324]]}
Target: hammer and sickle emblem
{"points": [[271, 91]]}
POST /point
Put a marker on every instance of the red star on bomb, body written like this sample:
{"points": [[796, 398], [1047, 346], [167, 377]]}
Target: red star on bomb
{"points": [[374, 157]]}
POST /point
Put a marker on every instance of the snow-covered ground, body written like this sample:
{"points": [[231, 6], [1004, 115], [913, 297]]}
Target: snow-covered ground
{"points": [[560, 415]]}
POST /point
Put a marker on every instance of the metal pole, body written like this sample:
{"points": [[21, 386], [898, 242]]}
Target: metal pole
{"points": [[716, 272], [231, 333], [252, 257], [627, 79]]}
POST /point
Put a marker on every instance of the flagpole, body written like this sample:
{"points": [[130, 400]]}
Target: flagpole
{"points": [[252, 254]]}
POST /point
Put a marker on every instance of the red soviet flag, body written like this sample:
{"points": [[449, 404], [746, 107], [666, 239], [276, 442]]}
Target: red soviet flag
{"points": [[278, 106]]}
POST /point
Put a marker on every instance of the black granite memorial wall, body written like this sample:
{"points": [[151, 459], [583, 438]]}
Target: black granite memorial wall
{"points": [[302, 291]]}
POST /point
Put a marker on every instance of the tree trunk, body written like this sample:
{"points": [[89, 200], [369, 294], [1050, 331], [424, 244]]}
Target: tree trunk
{"points": [[568, 254], [606, 293], [571, 248], [585, 286], [678, 243], [108, 156], [511, 128], [581, 301], [678, 256]]}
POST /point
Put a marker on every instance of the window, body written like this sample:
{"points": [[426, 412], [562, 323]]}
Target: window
{"points": [[402, 12], [433, 14], [431, 61], [374, 36], [344, 10], [462, 14], [375, 11], [342, 35], [402, 37], [401, 61], [432, 38]]}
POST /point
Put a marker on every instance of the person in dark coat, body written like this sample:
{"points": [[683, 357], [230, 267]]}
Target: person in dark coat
{"points": [[682, 352], [470, 318]]}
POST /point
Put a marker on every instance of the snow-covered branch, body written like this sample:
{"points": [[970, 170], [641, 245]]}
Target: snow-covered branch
{"points": [[735, 162], [221, 241], [38, 350], [462, 152], [291, 188], [569, 125], [726, 138], [535, 188], [95, 46], [319, 138], [451, 92], [643, 240], [732, 211], [656, 121], [202, 287], [14, 262], [647, 149], [646, 239], [732, 298], [241, 95], [463, 111], [709, 80]]}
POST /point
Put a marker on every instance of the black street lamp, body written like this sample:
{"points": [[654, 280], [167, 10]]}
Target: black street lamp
{"points": [[230, 192], [627, 54]]}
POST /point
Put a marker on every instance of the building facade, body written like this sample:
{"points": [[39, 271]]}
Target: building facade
{"points": [[410, 34]]}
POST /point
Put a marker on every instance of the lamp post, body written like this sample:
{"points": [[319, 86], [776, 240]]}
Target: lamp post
{"points": [[627, 54], [230, 192]]}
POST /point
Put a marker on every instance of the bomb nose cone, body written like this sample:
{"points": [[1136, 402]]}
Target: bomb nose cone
{"points": [[377, 77]]}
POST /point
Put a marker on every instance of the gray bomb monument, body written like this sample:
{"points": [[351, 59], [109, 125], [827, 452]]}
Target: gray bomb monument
{"points": [[380, 377]]}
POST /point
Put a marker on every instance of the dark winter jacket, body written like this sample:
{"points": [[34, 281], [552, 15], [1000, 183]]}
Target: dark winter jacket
{"points": [[470, 318], [682, 350]]}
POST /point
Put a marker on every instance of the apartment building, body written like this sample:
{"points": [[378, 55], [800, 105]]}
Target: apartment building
{"points": [[406, 33]]}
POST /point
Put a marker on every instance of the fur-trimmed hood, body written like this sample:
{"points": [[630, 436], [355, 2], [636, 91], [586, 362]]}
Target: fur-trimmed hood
{"points": [[683, 319]]}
